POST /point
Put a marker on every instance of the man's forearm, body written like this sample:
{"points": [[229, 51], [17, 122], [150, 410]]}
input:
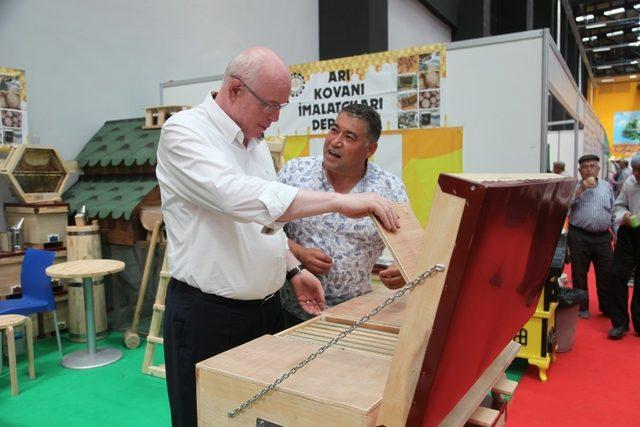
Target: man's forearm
{"points": [[295, 248], [291, 259], [310, 203]]}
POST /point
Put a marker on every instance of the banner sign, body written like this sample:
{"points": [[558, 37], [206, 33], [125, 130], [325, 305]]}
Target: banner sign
{"points": [[404, 86]]}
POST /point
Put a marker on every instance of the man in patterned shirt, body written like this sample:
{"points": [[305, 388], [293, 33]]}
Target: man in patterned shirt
{"points": [[340, 251]]}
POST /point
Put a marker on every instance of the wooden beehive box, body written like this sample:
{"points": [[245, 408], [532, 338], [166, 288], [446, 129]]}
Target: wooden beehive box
{"points": [[40, 221], [35, 174], [311, 397], [495, 235]]}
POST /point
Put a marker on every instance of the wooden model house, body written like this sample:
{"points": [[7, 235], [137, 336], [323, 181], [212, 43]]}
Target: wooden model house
{"points": [[118, 179]]}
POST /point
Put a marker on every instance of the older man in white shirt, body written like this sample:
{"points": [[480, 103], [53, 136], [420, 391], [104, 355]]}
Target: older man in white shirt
{"points": [[219, 195]]}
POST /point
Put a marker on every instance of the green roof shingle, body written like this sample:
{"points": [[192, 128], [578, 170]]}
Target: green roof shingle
{"points": [[121, 142], [114, 195]]}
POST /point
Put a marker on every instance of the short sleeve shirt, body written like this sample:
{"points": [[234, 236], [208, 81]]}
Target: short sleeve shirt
{"points": [[353, 244]]}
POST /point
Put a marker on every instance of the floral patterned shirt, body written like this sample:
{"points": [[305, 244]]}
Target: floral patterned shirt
{"points": [[353, 244]]}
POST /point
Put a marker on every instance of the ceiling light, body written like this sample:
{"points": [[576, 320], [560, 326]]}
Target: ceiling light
{"points": [[634, 44], [585, 39], [614, 11], [633, 62], [592, 26], [603, 49], [594, 38], [636, 6], [579, 18], [635, 29], [590, 16], [603, 67], [633, 76], [607, 80], [615, 33]]}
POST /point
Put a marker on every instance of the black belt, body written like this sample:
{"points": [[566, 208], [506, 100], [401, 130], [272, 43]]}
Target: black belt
{"points": [[596, 233], [184, 287]]}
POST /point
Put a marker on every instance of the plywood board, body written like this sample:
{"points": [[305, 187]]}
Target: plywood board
{"points": [[415, 332], [247, 368]]}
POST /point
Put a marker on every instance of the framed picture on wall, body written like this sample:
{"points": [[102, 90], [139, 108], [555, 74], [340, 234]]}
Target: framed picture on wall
{"points": [[13, 106]]}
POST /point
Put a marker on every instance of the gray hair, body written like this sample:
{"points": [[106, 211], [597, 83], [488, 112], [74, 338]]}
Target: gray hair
{"points": [[244, 66], [635, 161]]}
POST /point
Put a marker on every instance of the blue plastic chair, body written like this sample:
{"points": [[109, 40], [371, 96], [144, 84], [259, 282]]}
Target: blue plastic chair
{"points": [[37, 293]]}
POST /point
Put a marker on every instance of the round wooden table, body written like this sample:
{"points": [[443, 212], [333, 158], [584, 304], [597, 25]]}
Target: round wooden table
{"points": [[86, 270]]}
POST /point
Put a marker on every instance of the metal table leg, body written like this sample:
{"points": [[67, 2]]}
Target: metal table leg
{"points": [[92, 357]]}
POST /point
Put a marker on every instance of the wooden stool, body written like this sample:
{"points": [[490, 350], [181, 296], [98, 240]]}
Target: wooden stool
{"points": [[8, 322]]}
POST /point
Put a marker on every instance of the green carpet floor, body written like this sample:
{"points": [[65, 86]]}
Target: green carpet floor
{"points": [[115, 395]]}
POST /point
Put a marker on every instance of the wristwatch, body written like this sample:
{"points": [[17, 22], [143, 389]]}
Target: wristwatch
{"points": [[294, 271]]}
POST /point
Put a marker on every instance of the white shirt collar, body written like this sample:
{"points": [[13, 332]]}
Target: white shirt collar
{"points": [[229, 129]]}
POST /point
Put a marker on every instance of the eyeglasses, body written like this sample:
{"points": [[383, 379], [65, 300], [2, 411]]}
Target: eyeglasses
{"points": [[266, 106]]}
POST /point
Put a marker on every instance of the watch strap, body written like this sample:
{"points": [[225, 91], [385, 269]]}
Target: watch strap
{"points": [[294, 271]]}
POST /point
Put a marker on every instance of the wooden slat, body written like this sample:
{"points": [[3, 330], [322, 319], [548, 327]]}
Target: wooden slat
{"points": [[484, 417], [417, 324], [505, 386], [154, 339], [405, 244], [346, 342]]}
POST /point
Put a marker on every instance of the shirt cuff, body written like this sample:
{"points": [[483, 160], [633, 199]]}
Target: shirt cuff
{"points": [[277, 198]]}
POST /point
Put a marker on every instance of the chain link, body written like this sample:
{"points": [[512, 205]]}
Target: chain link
{"points": [[406, 288]]}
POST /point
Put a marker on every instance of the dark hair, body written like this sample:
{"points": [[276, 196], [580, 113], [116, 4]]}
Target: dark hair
{"points": [[369, 115], [588, 158]]}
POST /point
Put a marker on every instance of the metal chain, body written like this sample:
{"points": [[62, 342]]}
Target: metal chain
{"points": [[406, 288]]}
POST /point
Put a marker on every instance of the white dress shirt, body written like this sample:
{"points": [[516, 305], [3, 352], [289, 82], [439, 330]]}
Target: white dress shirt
{"points": [[216, 196]]}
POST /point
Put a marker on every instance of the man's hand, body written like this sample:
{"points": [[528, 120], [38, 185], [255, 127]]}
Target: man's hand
{"points": [[391, 277], [314, 260], [626, 219], [362, 204], [308, 291]]}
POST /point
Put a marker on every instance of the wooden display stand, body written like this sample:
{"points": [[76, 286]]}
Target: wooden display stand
{"points": [[494, 234], [156, 116], [40, 221]]}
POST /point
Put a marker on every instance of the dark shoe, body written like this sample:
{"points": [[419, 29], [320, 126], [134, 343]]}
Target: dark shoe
{"points": [[584, 314], [617, 332]]}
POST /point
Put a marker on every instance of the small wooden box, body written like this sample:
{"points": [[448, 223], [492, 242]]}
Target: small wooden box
{"points": [[40, 221]]}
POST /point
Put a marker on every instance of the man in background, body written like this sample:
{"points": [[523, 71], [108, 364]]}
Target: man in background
{"points": [[626, 256], [558, 168], [623, 175], [590, 232], [340, 251]]}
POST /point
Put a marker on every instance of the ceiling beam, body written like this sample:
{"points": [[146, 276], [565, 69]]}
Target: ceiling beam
{"points": [[576, 34]]}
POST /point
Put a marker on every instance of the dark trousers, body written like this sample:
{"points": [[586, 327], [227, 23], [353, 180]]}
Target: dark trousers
{"points": [[586, 247], [626, 257], [198, 326], [290, 320]]}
